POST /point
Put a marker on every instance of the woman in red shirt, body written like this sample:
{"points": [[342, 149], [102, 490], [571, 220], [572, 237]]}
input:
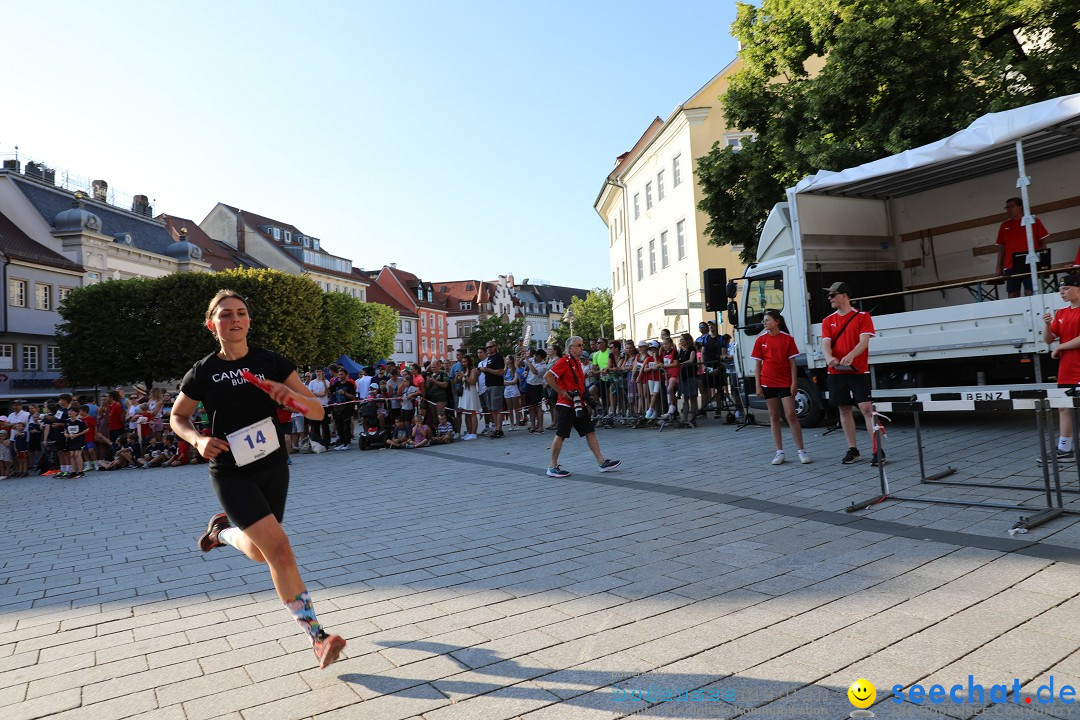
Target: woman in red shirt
{"points": [[777, 382]]}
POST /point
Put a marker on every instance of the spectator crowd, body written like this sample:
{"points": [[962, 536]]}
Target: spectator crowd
{"points": [[462, 398]]}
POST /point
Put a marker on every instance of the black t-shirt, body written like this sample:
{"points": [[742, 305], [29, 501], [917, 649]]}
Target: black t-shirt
{"points": [[687, 370], [232, 403], [433, 392], [711, 349], [75, 427], [153, 449], [495, 362]]}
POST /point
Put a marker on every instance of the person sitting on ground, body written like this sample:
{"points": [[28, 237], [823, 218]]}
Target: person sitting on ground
{"points": [[124, 454], [444, 432], [399, 436], [153, 452], [182, 455], [421, 434]]}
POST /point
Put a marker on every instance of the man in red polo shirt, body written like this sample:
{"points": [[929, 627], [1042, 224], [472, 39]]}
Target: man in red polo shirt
{"points": [[1064, 326], [845, 340], [567, 378], [1012, 238]]}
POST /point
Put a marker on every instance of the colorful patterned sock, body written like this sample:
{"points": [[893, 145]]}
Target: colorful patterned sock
{"points": [[304, 614]]}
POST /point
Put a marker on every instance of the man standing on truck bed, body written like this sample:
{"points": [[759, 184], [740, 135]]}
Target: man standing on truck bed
{"points": [[1064, 325], [1012, 238], [845, 340]]}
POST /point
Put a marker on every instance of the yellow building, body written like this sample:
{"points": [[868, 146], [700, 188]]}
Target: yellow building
{"points": [[658, 246]]}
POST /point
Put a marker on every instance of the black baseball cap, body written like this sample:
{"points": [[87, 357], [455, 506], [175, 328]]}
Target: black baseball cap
{"points": [[839, 287], [1071, 281]]}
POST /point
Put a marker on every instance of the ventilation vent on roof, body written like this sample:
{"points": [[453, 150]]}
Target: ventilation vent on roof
{"points": [[444, 288], [468, 287]]}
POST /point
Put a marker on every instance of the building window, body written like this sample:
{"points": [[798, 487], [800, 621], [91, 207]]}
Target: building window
{"points": [[30, 357], [423, 344], [61, 293], [52, 357], [648, 196], [408, 347], [7, 357], [441, 322], [637, 205], [680, 238], [614, 286], [640, 265], [17, 293], [423, 320], [288, 236], [465, 305], [399, 326], [659, 186], [663, 250], [92, 278], [398, 346], [277, 233], [676, 171], [442, 347], [42, 296], [738, 141], [652, 256]]}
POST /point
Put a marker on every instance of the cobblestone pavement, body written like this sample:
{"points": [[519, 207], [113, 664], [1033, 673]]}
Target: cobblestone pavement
{"points": [[696, 581]]}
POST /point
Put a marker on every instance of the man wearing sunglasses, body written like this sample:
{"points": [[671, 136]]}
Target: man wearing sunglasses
{"points": [[845, 340]]}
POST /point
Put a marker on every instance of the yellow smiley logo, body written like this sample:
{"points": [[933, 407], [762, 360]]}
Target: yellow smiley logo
{"points": [[862, 693]]}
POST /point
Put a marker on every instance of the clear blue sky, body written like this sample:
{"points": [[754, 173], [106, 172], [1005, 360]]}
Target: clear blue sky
{"points": [[456, 139]]}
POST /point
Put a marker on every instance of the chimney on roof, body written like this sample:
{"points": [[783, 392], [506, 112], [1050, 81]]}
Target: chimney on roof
{"points": [[101, 190], [510, 281], [393, 265], [141, 204]]}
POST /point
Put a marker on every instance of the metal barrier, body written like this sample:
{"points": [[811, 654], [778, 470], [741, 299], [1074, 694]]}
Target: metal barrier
{"points": [[1040, 401]]}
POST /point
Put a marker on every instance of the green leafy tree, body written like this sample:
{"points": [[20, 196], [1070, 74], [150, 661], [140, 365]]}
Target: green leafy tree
{"points": [[339, 322], [593, 316], [123, 331], [375, 332], [505, 334], [894, 74]]}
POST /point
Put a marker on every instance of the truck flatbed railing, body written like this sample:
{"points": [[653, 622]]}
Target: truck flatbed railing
{"points": [[980, 287]]}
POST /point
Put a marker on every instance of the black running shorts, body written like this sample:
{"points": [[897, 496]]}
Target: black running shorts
{"points": [[567, 420], [248, 496], [848, 389]]}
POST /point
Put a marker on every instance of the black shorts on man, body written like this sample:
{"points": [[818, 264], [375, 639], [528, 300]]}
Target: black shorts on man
{"points": [[776, 392], [849, 389], [568, 420]]}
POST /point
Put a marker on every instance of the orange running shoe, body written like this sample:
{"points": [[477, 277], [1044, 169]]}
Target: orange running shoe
{"points": [[327, 649]]}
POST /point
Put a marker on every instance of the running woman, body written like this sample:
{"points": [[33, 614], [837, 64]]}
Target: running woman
{"points": [[248, 460], [777, 381]]}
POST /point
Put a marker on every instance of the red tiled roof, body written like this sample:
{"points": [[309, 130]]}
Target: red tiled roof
{"points": [[377, 294], [220, 255], [409, 282]]}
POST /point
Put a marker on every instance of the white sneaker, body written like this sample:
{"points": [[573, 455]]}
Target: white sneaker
{"points": [[804, 458], [778, 459], [470, 436], [317, 447]]}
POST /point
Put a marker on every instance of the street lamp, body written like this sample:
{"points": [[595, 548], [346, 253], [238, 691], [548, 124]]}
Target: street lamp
{"points": [[568, 316]]}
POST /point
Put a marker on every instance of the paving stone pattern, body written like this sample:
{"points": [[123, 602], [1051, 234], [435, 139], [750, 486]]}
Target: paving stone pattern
{"points": [[696, 581]]}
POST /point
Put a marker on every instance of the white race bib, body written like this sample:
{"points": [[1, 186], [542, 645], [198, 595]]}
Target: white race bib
{"points": [[253, 442]]}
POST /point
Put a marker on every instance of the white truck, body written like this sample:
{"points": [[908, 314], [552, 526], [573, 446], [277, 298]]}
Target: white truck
{"points": [[914, 235]]}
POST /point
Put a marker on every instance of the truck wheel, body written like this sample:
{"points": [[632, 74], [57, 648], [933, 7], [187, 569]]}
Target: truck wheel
{"points": [[808, 404]]}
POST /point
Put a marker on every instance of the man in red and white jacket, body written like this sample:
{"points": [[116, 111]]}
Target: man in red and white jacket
{"points": [[567, 378], [845, 340]]}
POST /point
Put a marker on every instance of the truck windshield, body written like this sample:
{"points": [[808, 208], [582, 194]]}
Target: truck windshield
{"points": [[763, 293]]}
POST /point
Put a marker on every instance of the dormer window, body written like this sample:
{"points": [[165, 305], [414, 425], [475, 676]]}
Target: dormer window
{"points": [[288, 236], [276, 232], [419, 292], [465, 305], [315, 243], [429, 295], [307, 241]]}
